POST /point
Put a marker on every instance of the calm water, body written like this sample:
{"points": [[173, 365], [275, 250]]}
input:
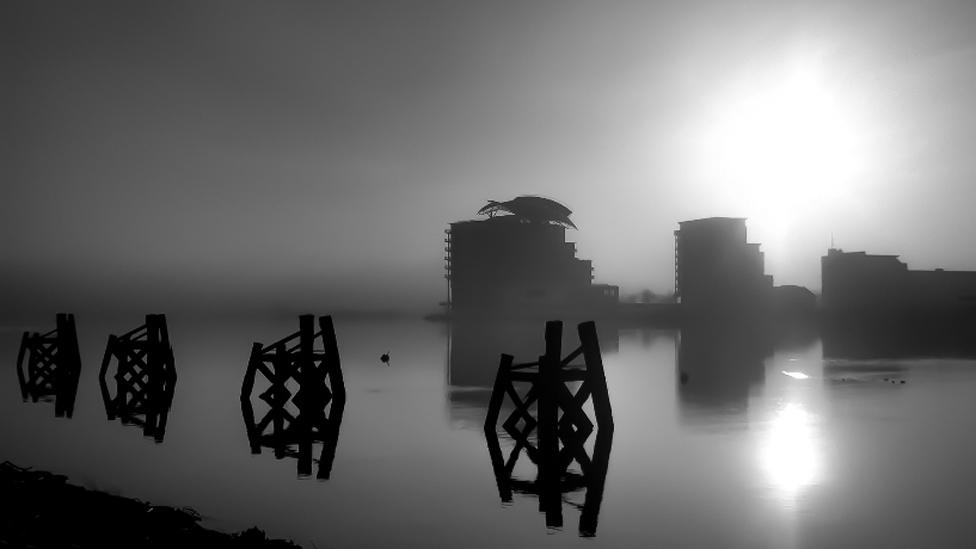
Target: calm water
{"points": [[720, 441]]}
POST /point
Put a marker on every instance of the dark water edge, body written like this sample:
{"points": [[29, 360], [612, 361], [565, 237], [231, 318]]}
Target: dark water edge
{"points": [[41, 509]]}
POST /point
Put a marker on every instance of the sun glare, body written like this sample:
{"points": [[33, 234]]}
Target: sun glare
{"points": [[789, 454], [783, 144]]}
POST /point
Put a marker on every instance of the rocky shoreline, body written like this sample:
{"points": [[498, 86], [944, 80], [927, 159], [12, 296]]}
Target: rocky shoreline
{"points": [[41, 509]]}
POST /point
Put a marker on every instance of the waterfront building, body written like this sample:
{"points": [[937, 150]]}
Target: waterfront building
{"points": [[716, 268], [857, 281], [518, 259]]}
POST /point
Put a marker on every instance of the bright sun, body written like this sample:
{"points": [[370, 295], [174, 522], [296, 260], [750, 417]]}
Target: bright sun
{"points": [[783, 145]]}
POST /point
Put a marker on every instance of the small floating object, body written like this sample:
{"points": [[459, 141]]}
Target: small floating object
{"points": [[385, 358], [796, 375]]}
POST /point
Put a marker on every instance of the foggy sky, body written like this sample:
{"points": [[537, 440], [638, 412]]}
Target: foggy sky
{"points": [[312, 154]]}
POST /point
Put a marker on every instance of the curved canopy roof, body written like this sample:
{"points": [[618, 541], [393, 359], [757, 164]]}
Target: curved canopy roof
{"points": [[534, 209]]}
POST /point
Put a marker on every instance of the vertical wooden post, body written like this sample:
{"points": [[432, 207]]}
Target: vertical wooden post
{"points": [[304, 456], [25, 342], [169, 376], [76, 369], [331, 439], [549, 365], [498, 391], [282, 367], [305, 374], [252, 367], [549, 370], [155, 364], [502, 476], [333, 369], [595, 374], [69, 367], [102, 382], [253, 438], [63, 363], [306, 341], [332, 360], [596, 479]]}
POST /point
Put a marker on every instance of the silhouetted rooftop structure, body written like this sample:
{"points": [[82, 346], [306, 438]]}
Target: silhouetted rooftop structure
{"points": [[518, 259], [533, 209]]}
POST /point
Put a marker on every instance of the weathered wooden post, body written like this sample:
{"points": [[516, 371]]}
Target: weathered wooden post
{"points": [[318, 374], [502, 381], [561, 424], [53, 365], [67, 389], [550, 496], [145, 377], [596, 478], [590, 345]]}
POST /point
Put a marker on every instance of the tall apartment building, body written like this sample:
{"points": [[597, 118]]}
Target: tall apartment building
{"points": [[716, 268], [518, 259]]}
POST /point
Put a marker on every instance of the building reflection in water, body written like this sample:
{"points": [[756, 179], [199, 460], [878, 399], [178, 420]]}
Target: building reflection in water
{"points": [[725, 369], [718, 364], [899, 337]]}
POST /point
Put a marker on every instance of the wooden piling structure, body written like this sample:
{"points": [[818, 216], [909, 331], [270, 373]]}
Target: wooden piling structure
{"points": [[294, 423], [560, 424], [52, 366], [145, 377]]}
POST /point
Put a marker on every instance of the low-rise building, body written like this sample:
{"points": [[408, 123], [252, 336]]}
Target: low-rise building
{"points": [[865, 282]]}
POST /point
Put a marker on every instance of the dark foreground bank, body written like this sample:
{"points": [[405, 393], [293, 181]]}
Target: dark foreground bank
{"points": [[39, 509]]}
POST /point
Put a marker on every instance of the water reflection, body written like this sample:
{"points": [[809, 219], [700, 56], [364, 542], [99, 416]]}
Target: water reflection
{"points": [[808, 464], [573, 470], [894, 337], [764, 378], [718, 365], [788, 453], [145, 377]]}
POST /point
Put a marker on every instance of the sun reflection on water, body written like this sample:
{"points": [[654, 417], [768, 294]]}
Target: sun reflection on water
{"points": [[789, 453]]}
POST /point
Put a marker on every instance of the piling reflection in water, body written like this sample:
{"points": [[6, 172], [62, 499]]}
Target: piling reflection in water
{"points": [[549, 423], [145, 377], [53, 366], [304, 393]]}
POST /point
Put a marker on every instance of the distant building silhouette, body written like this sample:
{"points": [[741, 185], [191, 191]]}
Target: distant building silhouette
{"points": [[791, 301], [857, 281], [717, 269], [520, 260]]}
